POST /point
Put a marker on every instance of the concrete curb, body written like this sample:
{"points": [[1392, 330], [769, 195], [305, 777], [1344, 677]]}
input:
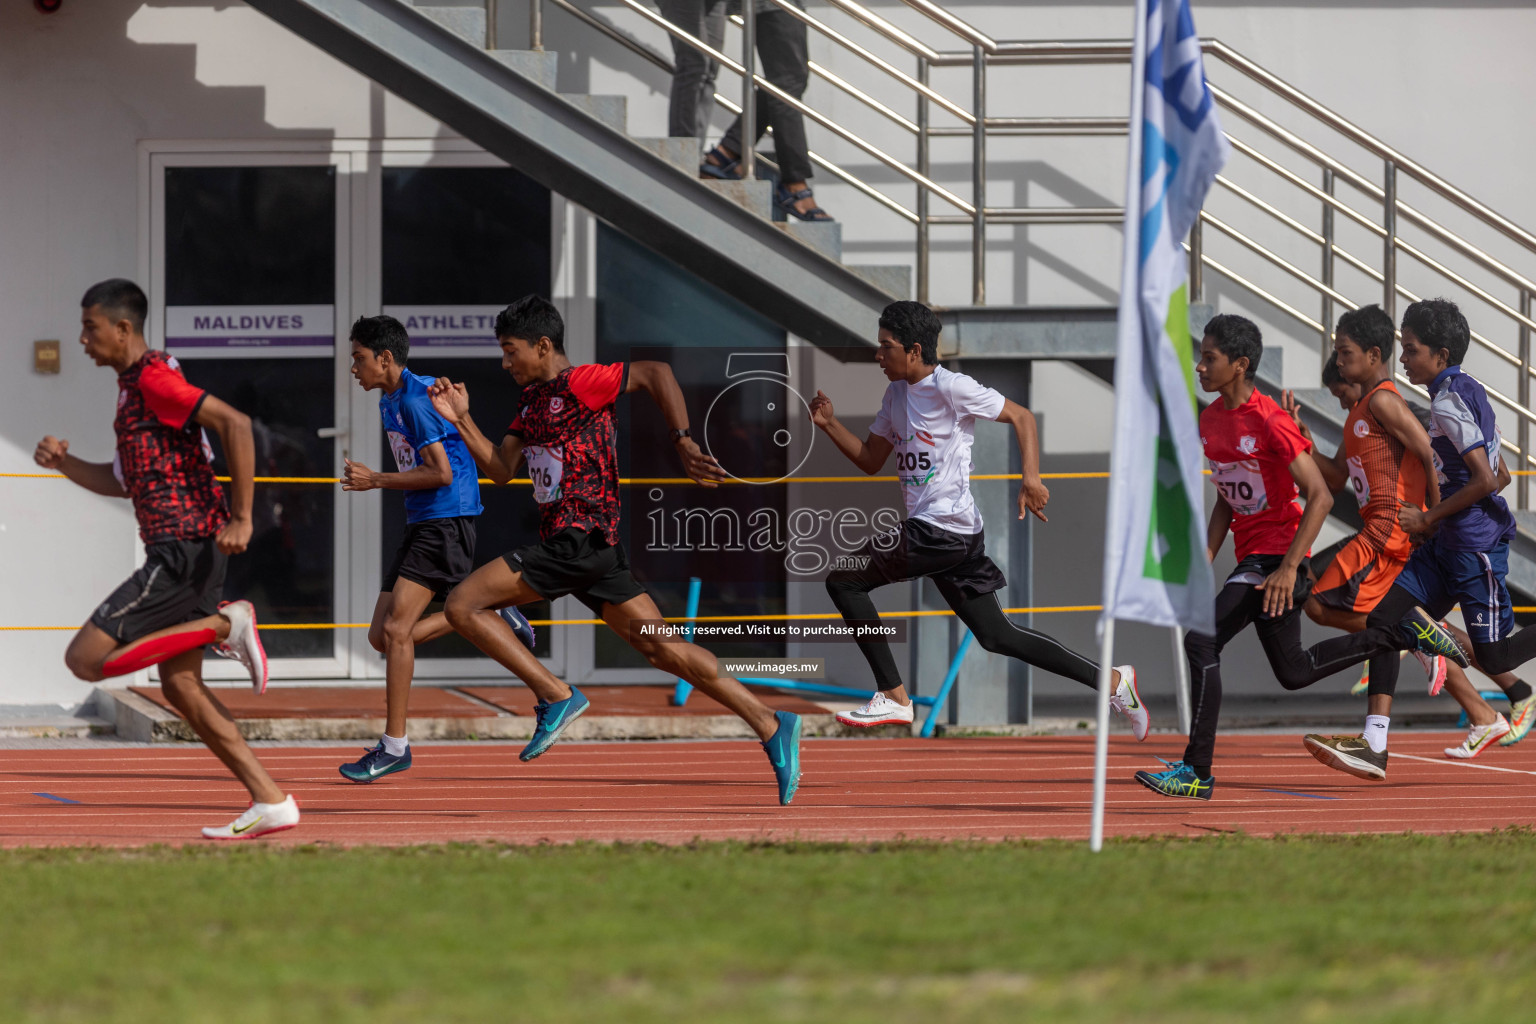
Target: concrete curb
{"points": [[144, 721]]}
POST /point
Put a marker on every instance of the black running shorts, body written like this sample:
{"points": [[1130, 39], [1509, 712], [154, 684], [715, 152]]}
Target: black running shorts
{"points": [[180, 581], [956, 562], [436, 553], [580, 562]]}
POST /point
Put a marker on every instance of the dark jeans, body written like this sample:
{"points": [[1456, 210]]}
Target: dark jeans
{"points": [[781, 48], [693, 82]]}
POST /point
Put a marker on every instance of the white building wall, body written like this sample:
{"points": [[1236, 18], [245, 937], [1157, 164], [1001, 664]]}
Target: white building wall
{"points": [[1447, 83]]}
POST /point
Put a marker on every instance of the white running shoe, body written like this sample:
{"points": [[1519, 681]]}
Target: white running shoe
{"points": [[258, 820], [1434, 668], [243, 643], [1479, 738], [880, 710], [1127, 700]]}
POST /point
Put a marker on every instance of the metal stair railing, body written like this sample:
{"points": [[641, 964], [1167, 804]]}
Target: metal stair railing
{"points": [[1329, 174]]}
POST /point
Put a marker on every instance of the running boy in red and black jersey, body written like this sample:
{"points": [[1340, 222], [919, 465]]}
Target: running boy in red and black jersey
{"points": [[564, 430], [169, 610], [1260, 464]]}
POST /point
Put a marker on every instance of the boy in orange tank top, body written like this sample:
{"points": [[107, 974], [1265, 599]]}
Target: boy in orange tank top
{"points": [[1386, 461]]}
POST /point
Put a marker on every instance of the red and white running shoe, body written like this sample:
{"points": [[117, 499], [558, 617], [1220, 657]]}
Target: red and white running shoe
{"points": [[1434, 668], [880, 710], [1479, 738], [1127, 700], [259, 820], [243, 643]]}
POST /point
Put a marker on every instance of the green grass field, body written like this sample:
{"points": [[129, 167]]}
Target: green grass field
{"points": [[1401, 928]]}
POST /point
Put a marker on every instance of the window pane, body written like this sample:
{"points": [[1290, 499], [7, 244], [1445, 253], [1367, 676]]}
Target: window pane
{"points": [[250, 235], [288, 571], [650, 308], [463, 235]]}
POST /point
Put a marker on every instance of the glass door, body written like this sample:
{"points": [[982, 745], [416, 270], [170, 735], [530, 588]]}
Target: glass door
{"points": [[249, 291], [461, 236]]}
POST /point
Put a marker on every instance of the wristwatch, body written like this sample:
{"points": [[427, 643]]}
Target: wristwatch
{"points": [[678, 435]]}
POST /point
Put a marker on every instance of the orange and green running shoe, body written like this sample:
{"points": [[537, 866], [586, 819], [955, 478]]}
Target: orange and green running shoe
{"points": [[1522, 715]]}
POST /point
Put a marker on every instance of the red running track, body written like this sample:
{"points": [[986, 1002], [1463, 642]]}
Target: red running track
{"points": [[858, 790]]}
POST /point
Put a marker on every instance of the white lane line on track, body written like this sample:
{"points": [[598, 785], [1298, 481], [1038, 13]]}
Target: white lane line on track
{"points": [[1464, 764]]}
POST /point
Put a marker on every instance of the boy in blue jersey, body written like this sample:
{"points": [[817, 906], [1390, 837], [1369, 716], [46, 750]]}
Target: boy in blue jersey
{"points": [[1464, 556], [441, 502]]}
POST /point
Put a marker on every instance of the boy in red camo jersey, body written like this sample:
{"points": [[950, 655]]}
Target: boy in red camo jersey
{"points": [[1260, 464], [564, 430], [169, 610]]}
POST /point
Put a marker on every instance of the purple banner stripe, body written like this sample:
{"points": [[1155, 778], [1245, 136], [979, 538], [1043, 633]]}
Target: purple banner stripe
{"points": [[248, 342]]}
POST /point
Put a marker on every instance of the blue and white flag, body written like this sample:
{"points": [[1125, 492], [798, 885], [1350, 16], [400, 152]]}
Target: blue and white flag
{"points": [[1154, 559]]}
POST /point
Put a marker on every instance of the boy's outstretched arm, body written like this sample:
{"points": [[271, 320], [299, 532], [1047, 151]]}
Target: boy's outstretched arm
{"points": [[1032, 490], [656, 379], [869, 454], [234, 430], [1216, 529], [96, 477], [452, 403], [1333, 469], [1280, 585], [435, 471], [1482, 484]]}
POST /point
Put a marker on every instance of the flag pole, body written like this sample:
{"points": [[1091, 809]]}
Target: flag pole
{"points": [[1101, 735]]}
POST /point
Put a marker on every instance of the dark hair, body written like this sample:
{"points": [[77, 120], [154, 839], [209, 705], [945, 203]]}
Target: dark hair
{"points": [[1237, 337], [531, 318], [914, 324], [1368, 327], [120, 299], [1439, 324], [1331, 374], [382, 334]]}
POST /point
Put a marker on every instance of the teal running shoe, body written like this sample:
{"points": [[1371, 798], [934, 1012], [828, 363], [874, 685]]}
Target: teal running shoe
{"points": [[1178, 780], [553, 719], [375, 764], [1426, 635], [783, 750]]}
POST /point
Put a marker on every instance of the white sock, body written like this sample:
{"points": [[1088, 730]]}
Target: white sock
{"points": [[396, 747], [1376, 732]]}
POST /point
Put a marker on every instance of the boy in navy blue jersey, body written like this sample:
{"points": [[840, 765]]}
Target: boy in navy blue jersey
{"points": [[1464, 556], [441, 501]]}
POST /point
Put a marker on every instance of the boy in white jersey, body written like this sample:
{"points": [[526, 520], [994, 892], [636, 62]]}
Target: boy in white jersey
{"points": [[928, 418]]}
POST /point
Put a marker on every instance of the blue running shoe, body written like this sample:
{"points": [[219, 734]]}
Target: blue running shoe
{"points": [[1179, 780], [376, 764], [520, 625], [783, 749], [552, 721]]}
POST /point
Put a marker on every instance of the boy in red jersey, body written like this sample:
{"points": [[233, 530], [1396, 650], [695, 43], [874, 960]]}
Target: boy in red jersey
{"points": [[169, 610], [564, 430], [1260, 464]]}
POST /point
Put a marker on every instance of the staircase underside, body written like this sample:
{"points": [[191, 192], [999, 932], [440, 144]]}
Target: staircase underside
{"points": [[576, 154]]}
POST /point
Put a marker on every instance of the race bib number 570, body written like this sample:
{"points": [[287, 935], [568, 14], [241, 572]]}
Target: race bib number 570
{"points": [[1242, 485]]}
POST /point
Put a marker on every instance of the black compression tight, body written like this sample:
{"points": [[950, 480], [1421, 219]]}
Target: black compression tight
{"points": [[982, 615]]}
